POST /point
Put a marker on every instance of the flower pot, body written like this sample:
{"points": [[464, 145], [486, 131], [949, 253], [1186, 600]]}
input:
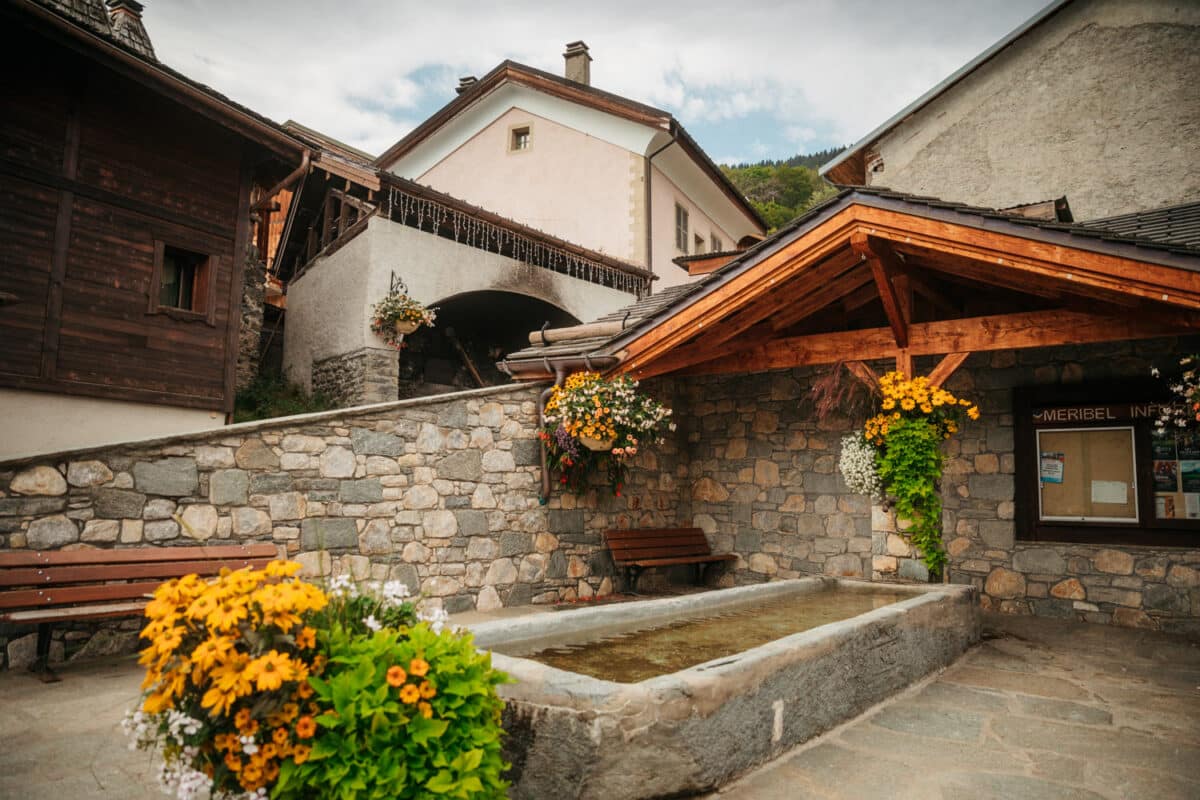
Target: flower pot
{"points": [[404, 326], [598, 445]]}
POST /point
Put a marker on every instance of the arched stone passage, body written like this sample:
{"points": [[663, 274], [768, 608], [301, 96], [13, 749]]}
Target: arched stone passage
{"points": [[474, 329]]}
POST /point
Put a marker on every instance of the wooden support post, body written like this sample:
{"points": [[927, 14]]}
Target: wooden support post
{"points": [[946, 367], [904, 362]]}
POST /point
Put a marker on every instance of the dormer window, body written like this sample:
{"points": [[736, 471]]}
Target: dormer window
{"points": [[519, 139]]}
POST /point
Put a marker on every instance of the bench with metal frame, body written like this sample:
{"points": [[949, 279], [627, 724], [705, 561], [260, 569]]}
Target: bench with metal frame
{"points": [[637, 550], [43, 587]]}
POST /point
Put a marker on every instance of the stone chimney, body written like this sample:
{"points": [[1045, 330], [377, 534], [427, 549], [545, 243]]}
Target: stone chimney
{"points": [[126, 19], [579, 63], [465, 83]]}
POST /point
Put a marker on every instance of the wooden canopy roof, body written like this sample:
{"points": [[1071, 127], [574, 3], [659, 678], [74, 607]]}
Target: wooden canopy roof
{"points": [[874, 274]]}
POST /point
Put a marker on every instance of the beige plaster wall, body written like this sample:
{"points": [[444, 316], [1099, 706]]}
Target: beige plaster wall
{"points": [[32, 423], [1100, 103], [664, 195], [572, 185]]}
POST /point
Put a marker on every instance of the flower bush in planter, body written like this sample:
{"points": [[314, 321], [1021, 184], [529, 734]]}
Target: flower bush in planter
{"points": [[261, 685], [398, 314], [898, 457], [594, 425]]}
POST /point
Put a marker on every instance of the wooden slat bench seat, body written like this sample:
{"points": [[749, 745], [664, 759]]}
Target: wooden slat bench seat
{"points": [[661, 547], [48, 586]]}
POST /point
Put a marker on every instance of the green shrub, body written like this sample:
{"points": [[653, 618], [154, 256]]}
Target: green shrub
{"points": [[272, 395], [408, 712]]}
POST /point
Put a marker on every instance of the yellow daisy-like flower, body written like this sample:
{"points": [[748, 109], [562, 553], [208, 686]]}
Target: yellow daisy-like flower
{"points": [[907, 404], [211, 651], [270, 670], [889, 404], [227, 615]]}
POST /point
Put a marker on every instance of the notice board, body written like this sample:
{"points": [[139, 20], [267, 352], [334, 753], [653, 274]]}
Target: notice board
{"points": [[1087, 474]]}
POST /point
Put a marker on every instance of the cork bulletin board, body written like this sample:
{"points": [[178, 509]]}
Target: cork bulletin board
{"points": [[1087, 474]]}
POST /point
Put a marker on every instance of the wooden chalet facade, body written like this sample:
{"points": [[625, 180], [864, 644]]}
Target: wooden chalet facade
{"points": [[125, 218], [1052, 328]]}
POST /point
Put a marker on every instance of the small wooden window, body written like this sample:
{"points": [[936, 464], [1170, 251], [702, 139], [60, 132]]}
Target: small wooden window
{"points": [[698, 244], [182, 282], [519, 139], [715, 244], [681, 228]]}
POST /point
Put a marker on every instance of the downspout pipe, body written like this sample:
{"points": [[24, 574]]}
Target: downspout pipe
{"points": [[650, 204]]}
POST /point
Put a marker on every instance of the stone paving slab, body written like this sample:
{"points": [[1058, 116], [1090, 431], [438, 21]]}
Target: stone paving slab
{"points": [[1045, 710]]}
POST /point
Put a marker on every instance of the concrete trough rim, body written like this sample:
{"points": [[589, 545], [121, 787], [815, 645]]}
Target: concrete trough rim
{"points": [[585, 693]]}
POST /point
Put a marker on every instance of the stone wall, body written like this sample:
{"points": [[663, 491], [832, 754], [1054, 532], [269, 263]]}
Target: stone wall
{"points": [[763, 478], [254, 292], [1141, 586], [441, 493], [369, 375]]}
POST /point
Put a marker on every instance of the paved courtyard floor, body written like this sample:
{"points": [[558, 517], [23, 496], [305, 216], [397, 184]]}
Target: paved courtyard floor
{"points": [[1040, 710]]}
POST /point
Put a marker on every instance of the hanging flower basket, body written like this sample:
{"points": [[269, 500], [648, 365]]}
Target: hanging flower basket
{"points": [[398, 314], [897, 457], [595, 425]]}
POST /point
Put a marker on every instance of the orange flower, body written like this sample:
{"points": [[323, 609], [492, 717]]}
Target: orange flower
{"points": [[418, 667], [410, 694], [304, 691], [280, 736], [306, 639], [233, 762], [306, 727], [427, 689], [425, 709], [300, 753], [396, 676], [241, 719]]}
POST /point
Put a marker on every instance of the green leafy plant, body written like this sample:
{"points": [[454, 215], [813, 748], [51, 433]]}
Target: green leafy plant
{"points": [[272, 395], [405, 708], [409, 714], [910, 466]]}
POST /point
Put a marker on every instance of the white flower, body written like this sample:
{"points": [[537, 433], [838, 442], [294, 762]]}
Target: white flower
{"points": [[342, 586], [1154, 372], [857, 464], [373, 623], [436, 617], [249, 746], [394, 593]]}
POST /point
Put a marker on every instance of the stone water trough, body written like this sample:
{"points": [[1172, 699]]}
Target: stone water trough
{"points": [[692, 730]]}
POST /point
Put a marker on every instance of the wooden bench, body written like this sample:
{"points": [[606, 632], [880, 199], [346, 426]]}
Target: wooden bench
{"points": [[661, 547], [44, 587]]}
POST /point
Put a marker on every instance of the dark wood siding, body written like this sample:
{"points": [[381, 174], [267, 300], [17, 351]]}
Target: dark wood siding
{"points": [[94, 169]]}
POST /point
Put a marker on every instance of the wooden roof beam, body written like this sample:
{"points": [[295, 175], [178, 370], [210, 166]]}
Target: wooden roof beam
{"points": [[946, 367], [997, 332], [884, 269]]}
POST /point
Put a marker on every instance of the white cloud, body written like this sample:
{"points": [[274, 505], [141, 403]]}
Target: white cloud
{"points": [[367, 71]]}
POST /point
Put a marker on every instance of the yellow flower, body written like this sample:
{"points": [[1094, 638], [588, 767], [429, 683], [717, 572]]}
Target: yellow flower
{"points": [[410, 694], [300, 753], [211, 651], [226, 616], [270, 670], [889, 404], [926, 408], [907, 404], [306, 639], [973, 412]]}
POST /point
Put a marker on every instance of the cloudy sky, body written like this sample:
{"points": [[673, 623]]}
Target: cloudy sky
{"points": [[750, 80]]}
